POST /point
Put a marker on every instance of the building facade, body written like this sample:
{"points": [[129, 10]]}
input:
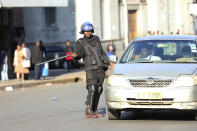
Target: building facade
{"points": [[56, 25], [155, 17], [118, 20], [112, 19], [55, 21], [12, 24]]}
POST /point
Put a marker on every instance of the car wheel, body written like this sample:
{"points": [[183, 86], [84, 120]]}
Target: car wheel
{"points": [[113, 114], [195, 115]]}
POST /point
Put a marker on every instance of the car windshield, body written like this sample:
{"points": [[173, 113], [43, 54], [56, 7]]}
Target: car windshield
{"points": [[161, 51]]}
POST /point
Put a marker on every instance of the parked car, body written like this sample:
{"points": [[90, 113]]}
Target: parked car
{"points": [[154, 73]]}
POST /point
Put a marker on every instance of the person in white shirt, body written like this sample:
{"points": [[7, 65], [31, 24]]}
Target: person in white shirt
{"points": [[26, 51], [27, 56], [4, 62], [146, 54]]}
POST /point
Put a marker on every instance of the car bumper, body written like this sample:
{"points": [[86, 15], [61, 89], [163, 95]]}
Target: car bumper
{"points": [[183, 98]]}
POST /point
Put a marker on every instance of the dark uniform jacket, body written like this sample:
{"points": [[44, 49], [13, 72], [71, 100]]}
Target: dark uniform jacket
{"points": [[91, 51], [36, 55]]}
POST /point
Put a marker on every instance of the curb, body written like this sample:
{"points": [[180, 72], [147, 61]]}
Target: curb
{"points": [[30, 83]]}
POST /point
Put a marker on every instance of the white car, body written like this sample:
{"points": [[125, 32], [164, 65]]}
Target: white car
{"points": [[154, 73]]}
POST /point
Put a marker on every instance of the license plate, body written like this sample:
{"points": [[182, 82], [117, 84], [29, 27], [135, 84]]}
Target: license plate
{"points": [[149, 95]]}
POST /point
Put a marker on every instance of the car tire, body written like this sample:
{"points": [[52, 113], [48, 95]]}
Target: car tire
{"points": [[113, 114], [195, 115], [195, 118]]}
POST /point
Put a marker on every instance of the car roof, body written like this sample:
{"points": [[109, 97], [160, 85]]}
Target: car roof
{"points": [[167, 37]]}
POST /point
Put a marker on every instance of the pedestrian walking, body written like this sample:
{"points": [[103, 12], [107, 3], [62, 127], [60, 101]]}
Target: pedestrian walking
{"points": [[111, 49], [26, 51], [19, 69], [27, 57], [68, 51], [44, 67], [4, 65], [37, 58], [43, 48], [96, 64]]}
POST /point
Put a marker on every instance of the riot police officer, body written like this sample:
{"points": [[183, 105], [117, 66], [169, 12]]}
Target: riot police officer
{"points": [[96, 64]]}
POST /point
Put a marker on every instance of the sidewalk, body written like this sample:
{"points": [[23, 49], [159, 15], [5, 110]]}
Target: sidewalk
{"points": [[65, 78]]}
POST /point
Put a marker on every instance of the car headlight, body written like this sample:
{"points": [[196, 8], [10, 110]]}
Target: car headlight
{"points": [[118, 80], [185, 80]]}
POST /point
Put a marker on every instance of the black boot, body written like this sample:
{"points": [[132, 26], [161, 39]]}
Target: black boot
{"points": [[91, 92], [96, 101]]}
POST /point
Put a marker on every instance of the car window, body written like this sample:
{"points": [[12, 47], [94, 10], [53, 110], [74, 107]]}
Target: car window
{"points": [[161, 51]]}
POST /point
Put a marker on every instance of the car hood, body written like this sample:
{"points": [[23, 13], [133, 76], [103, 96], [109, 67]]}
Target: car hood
{"points": [[154, 70]]}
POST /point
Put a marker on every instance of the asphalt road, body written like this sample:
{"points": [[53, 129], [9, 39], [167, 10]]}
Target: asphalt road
{"points": [[61, 108]]}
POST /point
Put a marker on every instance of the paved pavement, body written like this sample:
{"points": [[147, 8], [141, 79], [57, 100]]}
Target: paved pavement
{"points": [[60, 107], [56, 76]]}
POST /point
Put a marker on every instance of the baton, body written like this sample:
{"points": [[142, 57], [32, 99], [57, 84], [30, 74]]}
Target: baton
{"points": [[53, 60]]}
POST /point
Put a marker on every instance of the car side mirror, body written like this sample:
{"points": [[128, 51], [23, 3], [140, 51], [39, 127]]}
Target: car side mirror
{"points": [[113, 58]]}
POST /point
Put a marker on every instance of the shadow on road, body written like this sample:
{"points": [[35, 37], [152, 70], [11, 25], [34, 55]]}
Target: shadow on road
{"points": [[156, 115], [153, 115]]}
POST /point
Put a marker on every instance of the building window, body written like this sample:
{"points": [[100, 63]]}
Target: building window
{"points": [[50, 17], [4, 18]]}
